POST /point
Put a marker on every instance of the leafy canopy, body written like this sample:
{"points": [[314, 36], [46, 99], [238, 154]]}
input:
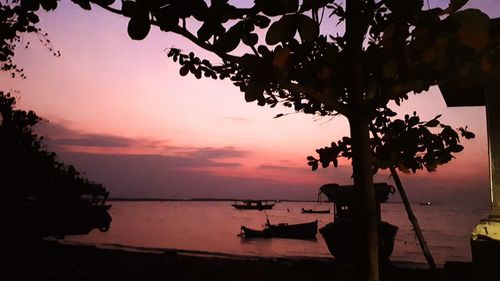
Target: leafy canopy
{"points": [[16, 19], [278, 51]]}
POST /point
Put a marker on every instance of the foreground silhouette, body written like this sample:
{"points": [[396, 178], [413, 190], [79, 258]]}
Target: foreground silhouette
{"points": [[44, 197], [76, 262], [408, 49]]}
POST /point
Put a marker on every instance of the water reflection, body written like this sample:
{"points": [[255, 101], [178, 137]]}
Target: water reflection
{"points": [[214, 227]]}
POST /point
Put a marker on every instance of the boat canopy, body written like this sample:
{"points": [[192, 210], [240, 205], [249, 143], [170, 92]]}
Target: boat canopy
{"points": [[344, 194]]}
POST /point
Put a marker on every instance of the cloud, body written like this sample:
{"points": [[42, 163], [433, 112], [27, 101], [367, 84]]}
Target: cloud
{"points": [[95, 140], [143, 167], [176, 177], [274, 167], [59, 137], [215, 153]]}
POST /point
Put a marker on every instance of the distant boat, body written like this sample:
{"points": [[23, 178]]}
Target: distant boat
{"points": [[253, 205], [426, 203], [283, 230], [311, 211]]}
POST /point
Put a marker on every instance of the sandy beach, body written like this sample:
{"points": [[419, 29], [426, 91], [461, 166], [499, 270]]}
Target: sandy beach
{"points": [[56, 261]]}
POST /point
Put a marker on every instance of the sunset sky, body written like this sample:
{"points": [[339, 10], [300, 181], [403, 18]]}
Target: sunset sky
{"points": [[121, 113]]}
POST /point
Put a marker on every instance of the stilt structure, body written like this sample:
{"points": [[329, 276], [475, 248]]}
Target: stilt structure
{"points": [[483, 91]]}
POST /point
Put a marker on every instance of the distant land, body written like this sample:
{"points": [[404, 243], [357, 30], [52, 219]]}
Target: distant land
{"points": [[205, 199], [232, 199]]}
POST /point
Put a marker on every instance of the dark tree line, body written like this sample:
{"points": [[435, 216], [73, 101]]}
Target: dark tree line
{"points": [[39, 190]]}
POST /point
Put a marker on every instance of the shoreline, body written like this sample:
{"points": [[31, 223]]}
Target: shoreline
{"points": [[201, 253], [53, 260]]}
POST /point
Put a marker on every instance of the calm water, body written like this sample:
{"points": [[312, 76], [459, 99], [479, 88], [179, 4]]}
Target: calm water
{"points": [[213, 227]]}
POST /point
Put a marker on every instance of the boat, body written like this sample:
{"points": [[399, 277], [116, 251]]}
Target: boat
{"points": [[76, 212], [306, 230], [425, 203], [91, 212], [253, 205], [342, 236], [311, 211]]}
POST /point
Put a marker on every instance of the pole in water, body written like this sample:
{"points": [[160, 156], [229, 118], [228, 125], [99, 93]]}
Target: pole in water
{"points": [[267, 218]]}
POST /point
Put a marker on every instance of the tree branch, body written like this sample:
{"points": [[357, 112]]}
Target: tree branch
{"points": [[185, 33], [236, 59], [314, 94]]}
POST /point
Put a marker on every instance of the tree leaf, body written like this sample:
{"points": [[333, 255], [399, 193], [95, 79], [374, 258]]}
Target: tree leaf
{"points": [[250, 39], [432, 123], [48, 5], [404, 8], [468, 135], [281, 57], [253, 91], [184, 70], [314, 166], [474, 29], [282, 30], [262, 21], [103, 2], [474, 38], [308, 28], [206, 31], [456, 148], [274, 8], [83, 3], [138, 28], [312, 4], [231, 39], [454, 6]]}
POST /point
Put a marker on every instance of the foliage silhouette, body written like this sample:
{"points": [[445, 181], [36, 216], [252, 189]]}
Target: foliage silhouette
{"points": [[45, 196], [408, 144], [390, 48], [17, 19]]}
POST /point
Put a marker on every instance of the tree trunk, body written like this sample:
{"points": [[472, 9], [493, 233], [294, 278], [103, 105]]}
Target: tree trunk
{"points": [[366, 207], [358, 117], [413, 219]]}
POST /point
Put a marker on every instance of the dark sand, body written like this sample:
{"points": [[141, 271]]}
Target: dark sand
{"points": [[55, 261]]}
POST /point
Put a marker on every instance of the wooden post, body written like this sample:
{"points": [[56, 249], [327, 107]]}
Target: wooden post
{"points": [[493, 125], [413, 219]]}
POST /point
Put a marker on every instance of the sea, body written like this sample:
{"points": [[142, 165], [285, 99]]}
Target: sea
{"points": [[213, 227]]}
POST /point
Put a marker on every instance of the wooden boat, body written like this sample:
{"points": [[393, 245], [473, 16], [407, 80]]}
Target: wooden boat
{"points": [[283, 230], [91, 212], [342, 236], [342, 239], [74, 211], [253, 205], [311, 211]]}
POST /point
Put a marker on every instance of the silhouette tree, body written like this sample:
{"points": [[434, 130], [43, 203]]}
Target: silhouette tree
{"points": [[389, 49], [408, 145], [44, 196], [16, 19]]}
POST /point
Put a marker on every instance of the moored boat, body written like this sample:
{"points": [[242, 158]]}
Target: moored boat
{"points": [[283, 230], [253, 205], [311, 211], [344, 234]]}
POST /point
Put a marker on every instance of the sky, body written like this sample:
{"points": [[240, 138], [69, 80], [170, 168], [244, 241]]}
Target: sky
{"points": [[120, 112]]}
